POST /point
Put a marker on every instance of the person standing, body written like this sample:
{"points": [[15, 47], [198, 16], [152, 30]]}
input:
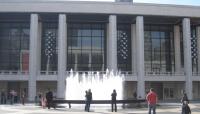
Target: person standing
{"points": [[86, 93], [113, 100], [152, 100], [23, 98], [36, 100], [40, 99], [11, 96], [49, 98], [89, 100], [3, 97], [135, 95], [43, 101]]}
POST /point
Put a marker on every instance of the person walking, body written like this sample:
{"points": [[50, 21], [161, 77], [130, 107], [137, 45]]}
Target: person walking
{"points": [[184, 98], [113, 100], [185, 108], [185, 102], [49, 98], [152, 100], [89, 100]]}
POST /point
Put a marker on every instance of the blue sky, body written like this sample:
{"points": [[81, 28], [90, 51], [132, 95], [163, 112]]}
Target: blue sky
{"points": [[181, 2]]}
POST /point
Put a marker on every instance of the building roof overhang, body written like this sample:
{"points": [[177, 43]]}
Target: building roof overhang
{"points": [[60, 6]]}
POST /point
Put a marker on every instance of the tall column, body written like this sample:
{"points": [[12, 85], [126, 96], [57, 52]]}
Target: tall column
{"points": [[187, 56], [62, 56], [39, 46], [140, 56], [34, 55], [133, 48], [112, 43], [177, 48], [76, 61], [198, 47]]}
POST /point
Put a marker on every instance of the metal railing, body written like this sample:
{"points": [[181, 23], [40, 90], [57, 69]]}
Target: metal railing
{"points": [[124, 73], [195, 73], [164, 73], [48, 72], [13, 72]]}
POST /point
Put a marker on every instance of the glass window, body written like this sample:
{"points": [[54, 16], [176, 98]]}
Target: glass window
{"points": [[88, 44], [97, 43], [97, 58], [86, 32], [155, 34], [155, 44], [147, 56], [96, 32], [14, 41], [159, 49]]}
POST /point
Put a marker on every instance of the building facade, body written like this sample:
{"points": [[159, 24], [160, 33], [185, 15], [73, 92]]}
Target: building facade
{"points": [[153, 45]]}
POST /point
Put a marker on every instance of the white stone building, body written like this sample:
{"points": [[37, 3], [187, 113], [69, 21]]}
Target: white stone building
{"points": [[154, 45]]}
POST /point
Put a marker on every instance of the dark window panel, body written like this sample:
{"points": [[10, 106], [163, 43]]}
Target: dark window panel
{"points": [[14, 39], [86, 40], [159, 48]]}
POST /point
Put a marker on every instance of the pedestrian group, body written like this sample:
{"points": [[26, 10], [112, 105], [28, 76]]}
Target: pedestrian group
{"points": [[47, 100]]}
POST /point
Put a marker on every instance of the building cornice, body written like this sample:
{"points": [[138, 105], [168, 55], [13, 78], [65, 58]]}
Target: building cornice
{"points": [[99, 8]]}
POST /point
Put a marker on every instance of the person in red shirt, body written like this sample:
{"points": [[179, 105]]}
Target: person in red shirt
{"points": [[152, 100]]}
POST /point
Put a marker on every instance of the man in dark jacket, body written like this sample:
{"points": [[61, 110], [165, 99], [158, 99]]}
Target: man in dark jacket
{"points": [[186, 108], [113, 102], [184, 98], [88, 100], [49, 98]]}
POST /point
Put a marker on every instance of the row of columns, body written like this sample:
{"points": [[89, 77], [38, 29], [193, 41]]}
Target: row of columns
{"points": [[35, 55], [137, 39]]}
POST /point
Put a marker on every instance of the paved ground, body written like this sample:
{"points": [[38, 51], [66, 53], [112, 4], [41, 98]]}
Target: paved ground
{"points": [[164, 108]]}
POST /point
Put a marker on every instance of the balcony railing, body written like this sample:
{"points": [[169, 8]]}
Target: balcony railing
{"points": [[195, 73], [48, 72], [14, 72], [164, 73], [121, 73]]}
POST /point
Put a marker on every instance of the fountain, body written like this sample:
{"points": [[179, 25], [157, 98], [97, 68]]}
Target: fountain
{"points": [[100, 83]]}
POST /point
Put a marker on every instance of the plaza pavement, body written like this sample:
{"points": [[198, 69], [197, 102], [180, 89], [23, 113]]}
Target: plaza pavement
{"points": [[164, 108]]}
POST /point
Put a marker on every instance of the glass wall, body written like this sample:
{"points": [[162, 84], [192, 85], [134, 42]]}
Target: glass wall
{"points": [[14, 46], [49, 47], [124, 47], [86, 49], [159, 48]]}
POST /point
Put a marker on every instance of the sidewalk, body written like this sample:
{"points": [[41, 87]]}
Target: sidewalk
{"points": [[164, 108]]}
